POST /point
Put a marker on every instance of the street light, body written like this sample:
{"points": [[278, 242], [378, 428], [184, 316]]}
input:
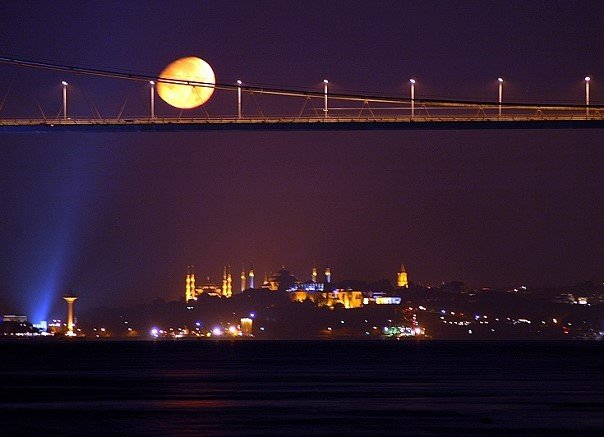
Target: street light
{"points": [[412, 82], [325, 82], [587, 80], [239, 98], [64, 99], [152, 83], [500, 80]]}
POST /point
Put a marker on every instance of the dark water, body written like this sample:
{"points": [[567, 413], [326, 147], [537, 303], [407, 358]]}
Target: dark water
{"points": [[275, 388]]}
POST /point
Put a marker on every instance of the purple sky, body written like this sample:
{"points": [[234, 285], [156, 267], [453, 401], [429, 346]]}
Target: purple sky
{"points": [[117, 217]]}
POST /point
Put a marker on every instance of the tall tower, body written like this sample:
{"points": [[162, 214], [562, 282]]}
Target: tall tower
{"points": [[313, 275], [193, 295], [70, 299], [190, 284], [401, 278], [229, 283], [328, 275], [224, 282], [251, 276], [242, 278]]}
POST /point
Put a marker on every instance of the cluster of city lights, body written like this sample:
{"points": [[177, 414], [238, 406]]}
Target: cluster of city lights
{"points": [[404, 331], [228, 330]]}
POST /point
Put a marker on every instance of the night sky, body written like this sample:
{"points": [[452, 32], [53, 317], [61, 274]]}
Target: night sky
{"points": [[118, 217]]}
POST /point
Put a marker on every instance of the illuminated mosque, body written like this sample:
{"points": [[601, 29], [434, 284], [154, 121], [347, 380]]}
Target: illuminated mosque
{"points": [[194, 290], [323, 294], [320, 293]]}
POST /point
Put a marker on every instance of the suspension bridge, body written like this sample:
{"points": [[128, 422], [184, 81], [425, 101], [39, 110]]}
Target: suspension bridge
{"points": [[294, 109]]}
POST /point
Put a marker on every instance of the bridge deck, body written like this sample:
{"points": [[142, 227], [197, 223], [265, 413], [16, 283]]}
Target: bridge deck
{"points": [[300, 123]]}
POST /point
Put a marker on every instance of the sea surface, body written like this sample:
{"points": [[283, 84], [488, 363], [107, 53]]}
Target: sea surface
{"points": [[301, 388]]}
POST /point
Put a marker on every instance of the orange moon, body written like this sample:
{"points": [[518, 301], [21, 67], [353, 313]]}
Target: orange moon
{"points": [[189, 69]]}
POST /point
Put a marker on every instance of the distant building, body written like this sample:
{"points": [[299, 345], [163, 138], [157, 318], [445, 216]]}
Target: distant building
{"points": [[348, 298], [380, 298], [307, 287], [388, 300], [246, 327], [322, 294], [209, 288], [302, 291], [12, 325], [402, 280], [13, 318], [283, 280], [194, 290], [301, 296]]}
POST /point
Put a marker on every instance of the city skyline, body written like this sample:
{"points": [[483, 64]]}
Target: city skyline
{"points": [[257, 217], [117, 215]]}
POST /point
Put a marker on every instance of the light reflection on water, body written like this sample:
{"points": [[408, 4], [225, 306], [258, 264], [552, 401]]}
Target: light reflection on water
{"points": [[302, 387]]}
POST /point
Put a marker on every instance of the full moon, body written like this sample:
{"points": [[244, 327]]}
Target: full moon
{"points": [[189, 69]]}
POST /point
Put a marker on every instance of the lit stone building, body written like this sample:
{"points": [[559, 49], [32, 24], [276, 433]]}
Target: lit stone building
{"points": [[301, 296], [401, 278], [348, 298], [283, 280], [302, 291], [194, 290], [208, 287], [321, 294], [246, 327]]}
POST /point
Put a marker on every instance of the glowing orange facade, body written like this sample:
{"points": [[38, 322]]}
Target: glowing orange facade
{"points": [[401, 278]]}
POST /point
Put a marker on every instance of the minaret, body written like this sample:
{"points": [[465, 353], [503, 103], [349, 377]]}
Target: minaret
{"points": [[242, 278], [224, 282], [313, 275], [328, 275], [193, 295], [70, 299], [229, 283], [251, 276], [401, 278], [190, 284]]}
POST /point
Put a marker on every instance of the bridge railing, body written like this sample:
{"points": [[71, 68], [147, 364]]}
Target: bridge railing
{"points": [[342, 118], [257, 104]]}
